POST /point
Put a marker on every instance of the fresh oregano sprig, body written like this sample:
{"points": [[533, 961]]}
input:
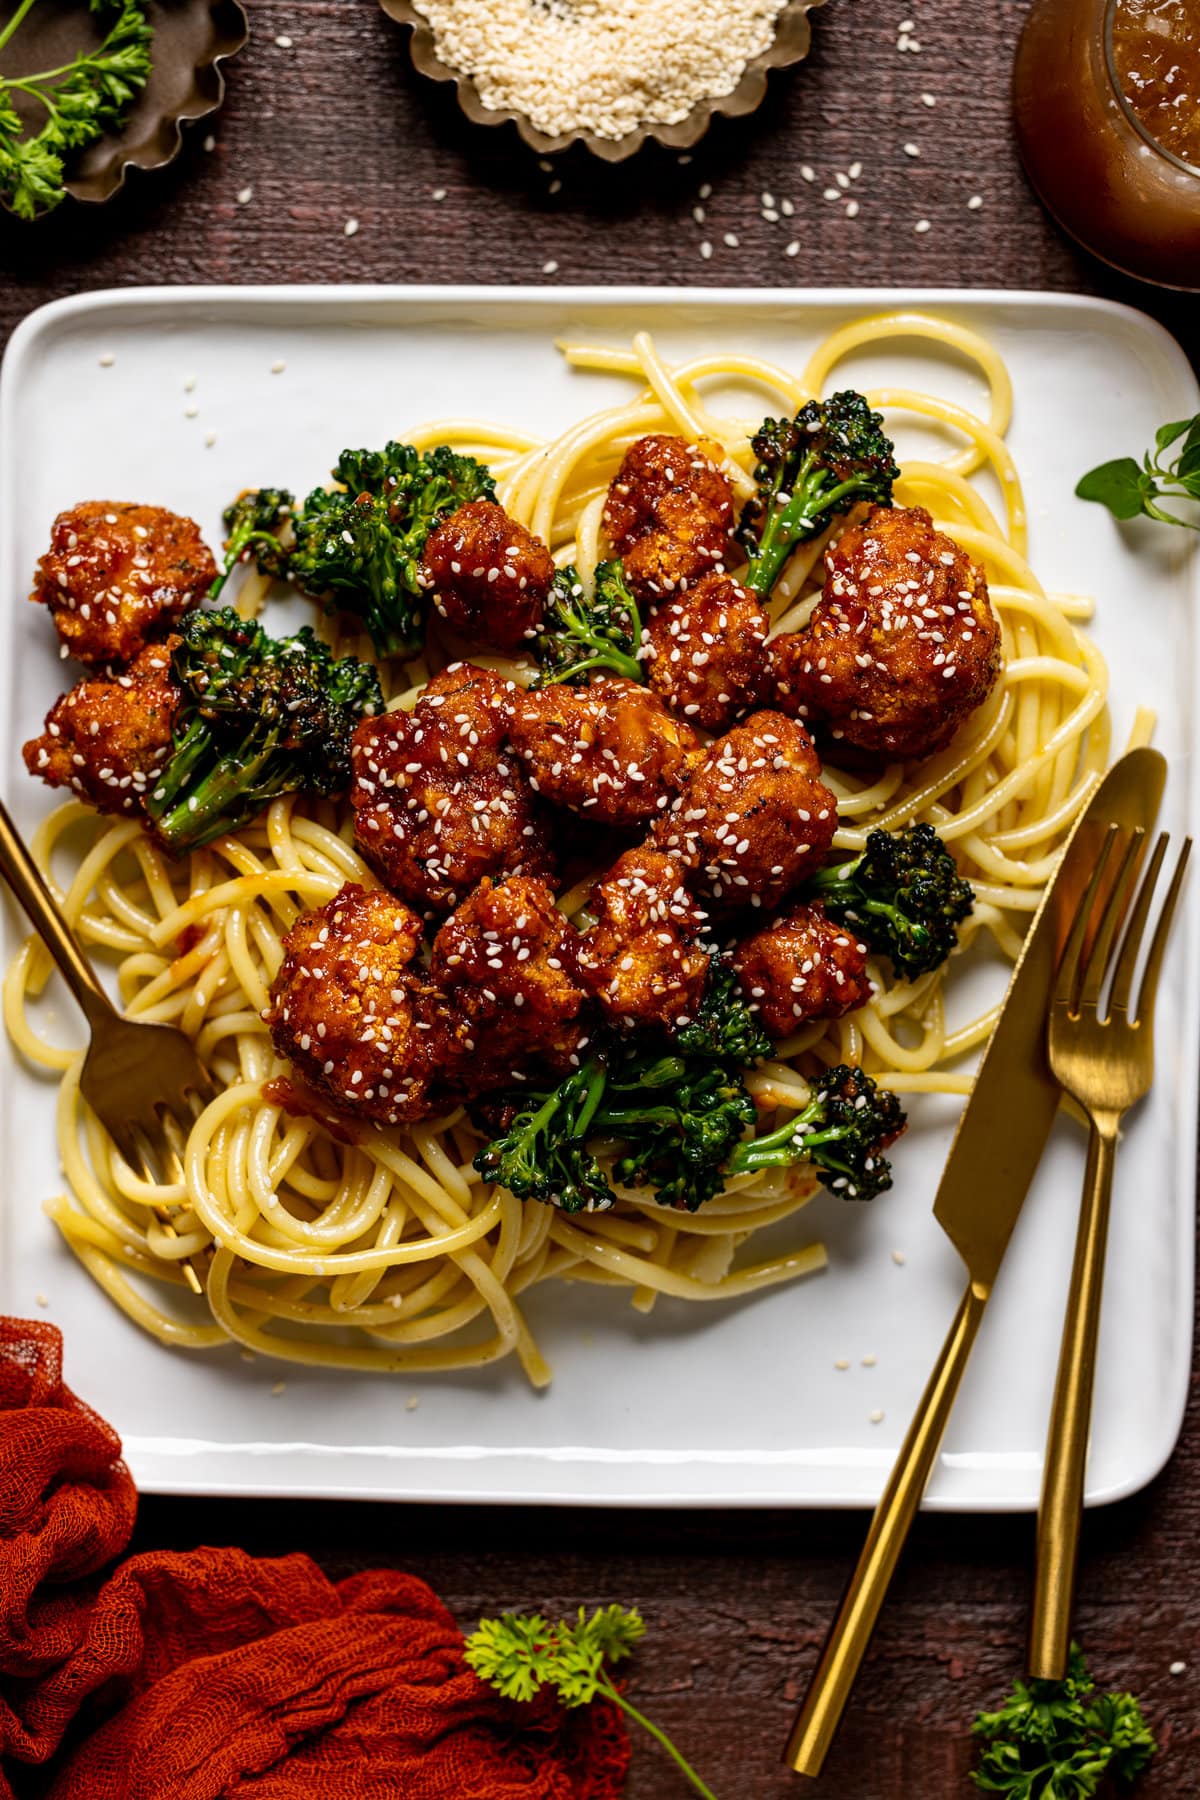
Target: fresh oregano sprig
{"points": [[80, 100], [520, 1653], [1131, 489]]}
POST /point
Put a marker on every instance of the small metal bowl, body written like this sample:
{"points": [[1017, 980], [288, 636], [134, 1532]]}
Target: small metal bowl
{"points": [[192, 38], [793, 36]]}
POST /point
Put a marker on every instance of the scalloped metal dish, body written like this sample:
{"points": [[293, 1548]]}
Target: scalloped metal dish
{"points": [[790, 45], [192, 39]]}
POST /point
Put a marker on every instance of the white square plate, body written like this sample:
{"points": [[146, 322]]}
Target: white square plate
{"points": [[730, 1405]]}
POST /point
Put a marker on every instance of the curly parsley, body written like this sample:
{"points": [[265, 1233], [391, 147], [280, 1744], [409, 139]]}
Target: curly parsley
{"points": [[521, 1653], [1058, 1740], [81, 100]]}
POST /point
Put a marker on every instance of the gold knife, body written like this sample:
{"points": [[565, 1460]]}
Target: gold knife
{"points": [[996, 1149]]}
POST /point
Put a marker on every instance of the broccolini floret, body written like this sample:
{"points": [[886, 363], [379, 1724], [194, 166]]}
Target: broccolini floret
{"points": [[257, 717], [724, 1028], [844, 1130], [360, 548], [253, 523], [579, 634], [832, 455], [904, 895], [542, 1153]]}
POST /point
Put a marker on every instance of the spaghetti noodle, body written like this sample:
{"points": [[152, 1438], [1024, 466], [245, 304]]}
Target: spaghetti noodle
{"points": [[382, 1249]]}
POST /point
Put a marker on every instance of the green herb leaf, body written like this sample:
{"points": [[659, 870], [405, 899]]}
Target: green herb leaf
{"points": [[1166, 435], [1117, 485], [82, 100], [1055, 1740], [520, 1653]]}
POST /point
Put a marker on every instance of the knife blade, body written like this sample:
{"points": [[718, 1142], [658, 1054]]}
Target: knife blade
{"points": [[1003, 1130], [996, 1149]]}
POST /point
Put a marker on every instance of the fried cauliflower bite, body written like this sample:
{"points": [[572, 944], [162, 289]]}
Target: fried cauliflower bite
{"points": [[487, 575], [108, 737], [505, 959], [903, 644], [611, 750], [669, 513], [641, 958], [706, 652], [803, 966], [357, 1018], [438, 801], [118, 575], [754, 818]]}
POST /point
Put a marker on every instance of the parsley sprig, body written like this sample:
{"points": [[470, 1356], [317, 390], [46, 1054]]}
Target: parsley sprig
{"points": [[520, 1653], [81, 100], [1059, 1740], [1129, 488]]}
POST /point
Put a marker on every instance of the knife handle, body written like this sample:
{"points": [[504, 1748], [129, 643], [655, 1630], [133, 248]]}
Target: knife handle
{"points": [[846, 1645]]}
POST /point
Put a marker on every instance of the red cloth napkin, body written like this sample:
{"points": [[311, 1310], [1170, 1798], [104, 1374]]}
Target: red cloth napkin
{"points": [[210, 1673]]}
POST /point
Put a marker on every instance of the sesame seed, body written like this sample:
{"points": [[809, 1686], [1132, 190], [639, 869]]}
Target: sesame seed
{"points": [[929, 99], [245, 196], [706, 250], [191, 412], [842, 1362], [974, 203], [855, 171], [899, 1258], [912, 150], [1176, 1668], [852, 209], [43, 1300], [107, 360], [412, 1403], [277, 368], [869, 1362], [705, 190], [732, 239], [807, 172], [278, 1388], [350, 228], [877, 1417], [922, 226], [793, 249], [438, 194], [210, 143], [550, 268], [283, 41]]}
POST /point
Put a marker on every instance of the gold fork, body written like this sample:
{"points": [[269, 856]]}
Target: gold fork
{"points": [[1103, 1056], [139, 1078]]}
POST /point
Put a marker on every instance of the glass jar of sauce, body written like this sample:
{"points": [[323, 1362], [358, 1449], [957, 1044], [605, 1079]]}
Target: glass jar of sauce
{"points": [[1107, 102]]}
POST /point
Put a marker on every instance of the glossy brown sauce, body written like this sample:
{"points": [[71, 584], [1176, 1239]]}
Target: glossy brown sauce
{"points": [[1156, 49]]}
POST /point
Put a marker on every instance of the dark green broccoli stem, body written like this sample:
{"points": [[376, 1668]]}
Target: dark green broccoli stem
{"points": [[543, 1154]]}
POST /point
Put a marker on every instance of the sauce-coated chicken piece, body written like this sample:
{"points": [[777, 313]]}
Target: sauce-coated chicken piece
{"points": [[754, 818], [641, 958], [669, 513], [118, 575], [706, 652], [505, 959], [804, 966], [439, 801], [108, 737], [355, 1014], [611, 751], [903, 644], [487, 575]]}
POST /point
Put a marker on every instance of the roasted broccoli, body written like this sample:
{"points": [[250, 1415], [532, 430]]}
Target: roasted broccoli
{"points": [[724, 1029], [833, 454], [253, 524], [904, 895], [359, 548], [679, 1118], [257, 717], [578, 635], [843, 1130], [542, 1152]]}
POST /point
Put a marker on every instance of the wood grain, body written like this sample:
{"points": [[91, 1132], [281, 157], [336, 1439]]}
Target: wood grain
{"points": [[337, 127]]}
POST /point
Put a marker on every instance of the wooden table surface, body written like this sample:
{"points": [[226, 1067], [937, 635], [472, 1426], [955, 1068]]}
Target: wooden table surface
{"points": [[335, 126]]}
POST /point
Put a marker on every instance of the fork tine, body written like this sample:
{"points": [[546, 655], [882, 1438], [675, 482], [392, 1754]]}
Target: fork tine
{"points": [[1068, 968], [1158, 943], [1122, 986], [155, 1155], [1110, 920]]}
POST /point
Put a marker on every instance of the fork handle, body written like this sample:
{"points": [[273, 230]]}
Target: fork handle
{"points": [[25, 879], [1060, 1512], [850, 1634]]}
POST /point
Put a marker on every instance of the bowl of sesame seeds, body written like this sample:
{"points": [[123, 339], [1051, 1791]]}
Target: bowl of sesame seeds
{"points": [[605, 73]]}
